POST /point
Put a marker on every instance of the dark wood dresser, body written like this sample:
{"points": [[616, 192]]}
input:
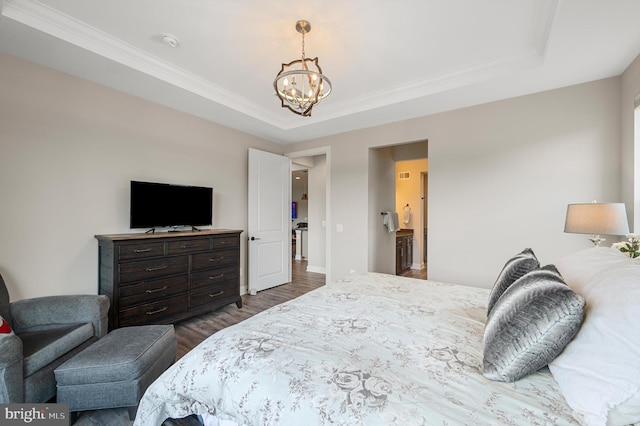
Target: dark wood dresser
{"points": [[166, 277]]}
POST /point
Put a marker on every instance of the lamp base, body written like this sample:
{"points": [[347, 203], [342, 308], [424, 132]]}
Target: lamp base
{"points": [[596, 240]]}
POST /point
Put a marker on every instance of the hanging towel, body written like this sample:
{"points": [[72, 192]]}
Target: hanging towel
{"points": [[406, 215], [390, 220]]}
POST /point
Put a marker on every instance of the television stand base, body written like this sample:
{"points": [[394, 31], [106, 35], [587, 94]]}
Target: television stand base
{"points": [[174, 229]]}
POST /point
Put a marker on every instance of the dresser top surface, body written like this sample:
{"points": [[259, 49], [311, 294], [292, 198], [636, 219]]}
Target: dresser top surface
{"points": [[178, 234]]}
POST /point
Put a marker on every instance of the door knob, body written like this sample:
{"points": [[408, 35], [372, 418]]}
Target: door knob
{"points": [[254, 238]]}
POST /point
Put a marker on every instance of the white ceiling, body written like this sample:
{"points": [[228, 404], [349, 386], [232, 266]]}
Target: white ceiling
{"points": [[388, 60]]}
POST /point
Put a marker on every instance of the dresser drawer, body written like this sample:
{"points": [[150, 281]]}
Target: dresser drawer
{"points": [[154, 312], [151, 279], [148, 291], [140, 251], [214, 276], [155, 268], [213, 294], [225, 242], [188, 246], [214, 259]]}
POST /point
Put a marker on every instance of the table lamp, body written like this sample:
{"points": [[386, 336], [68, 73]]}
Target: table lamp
{"points": [[596, 219]]}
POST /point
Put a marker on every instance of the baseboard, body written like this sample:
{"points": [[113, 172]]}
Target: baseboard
{"points": [[317, 269], [417, 266]]}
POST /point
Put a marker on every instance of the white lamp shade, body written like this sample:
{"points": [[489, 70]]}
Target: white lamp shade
{"points": [[597, 219]]}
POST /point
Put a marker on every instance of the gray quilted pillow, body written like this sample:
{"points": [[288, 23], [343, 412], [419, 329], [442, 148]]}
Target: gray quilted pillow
{"points": [[516, 267], [536, 317]]}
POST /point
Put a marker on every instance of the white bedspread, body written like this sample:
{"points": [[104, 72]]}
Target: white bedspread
{"points": [[371, 349]]}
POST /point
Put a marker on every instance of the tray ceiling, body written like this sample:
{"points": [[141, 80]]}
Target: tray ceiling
{"points": [[387, 60]]}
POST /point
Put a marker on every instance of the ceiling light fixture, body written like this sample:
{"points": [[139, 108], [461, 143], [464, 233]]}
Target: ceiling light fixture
{"points": [[300, 84]]}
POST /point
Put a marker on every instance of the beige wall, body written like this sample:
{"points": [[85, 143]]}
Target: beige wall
{"points": [[68, 149], [500, 178], [381, 192], [500, 174]]}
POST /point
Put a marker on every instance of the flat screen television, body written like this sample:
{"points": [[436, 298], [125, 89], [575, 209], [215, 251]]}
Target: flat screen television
{"points": [[169, 205]]}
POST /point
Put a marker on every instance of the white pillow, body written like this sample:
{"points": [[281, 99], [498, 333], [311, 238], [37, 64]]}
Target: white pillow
{"points": [[577, 268], [599, 370]]}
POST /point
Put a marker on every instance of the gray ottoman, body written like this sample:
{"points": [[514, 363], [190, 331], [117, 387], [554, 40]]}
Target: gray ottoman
{"points": [[117, 369]]}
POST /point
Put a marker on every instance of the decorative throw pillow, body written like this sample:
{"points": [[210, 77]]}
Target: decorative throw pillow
{"points": [[516, 267], [599, 371], [533, 321], [4, 327]]}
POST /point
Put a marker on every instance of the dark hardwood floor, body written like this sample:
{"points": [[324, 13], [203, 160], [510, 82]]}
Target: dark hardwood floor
{"points": [[191, 332], [415, 273]]}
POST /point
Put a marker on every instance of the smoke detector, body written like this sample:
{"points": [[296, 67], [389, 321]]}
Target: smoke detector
{"points": [[169, 40]]}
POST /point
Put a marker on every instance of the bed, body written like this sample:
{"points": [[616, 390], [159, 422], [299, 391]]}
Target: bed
{"points": [[370, 349]]}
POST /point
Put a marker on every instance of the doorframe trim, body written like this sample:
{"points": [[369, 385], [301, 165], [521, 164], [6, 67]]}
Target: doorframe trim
{"points": [[323, 150]]}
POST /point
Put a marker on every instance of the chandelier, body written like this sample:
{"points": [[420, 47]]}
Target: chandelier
{"points": [[300, 84]]}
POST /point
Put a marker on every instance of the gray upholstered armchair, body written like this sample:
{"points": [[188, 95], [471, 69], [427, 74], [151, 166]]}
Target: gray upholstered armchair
{"points": [[48, 331]]}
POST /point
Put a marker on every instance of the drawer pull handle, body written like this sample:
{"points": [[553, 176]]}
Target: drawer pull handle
{"points": [[157, 268], [223, 242], [211, 259], [157, 289], [216, 294], [186, 246], [142, 250], [157, 311], [216, 277]]}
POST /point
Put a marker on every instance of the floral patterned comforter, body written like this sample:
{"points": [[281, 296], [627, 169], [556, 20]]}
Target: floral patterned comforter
{"points": [[371, 349]]}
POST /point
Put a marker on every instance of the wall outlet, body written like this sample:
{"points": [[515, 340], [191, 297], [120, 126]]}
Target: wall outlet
{"points": [[352, 271], [338, 228]]}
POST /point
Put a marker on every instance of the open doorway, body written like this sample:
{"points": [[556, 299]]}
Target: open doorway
{"points": [[299, 211], [310, 193], [425, 215], [410, 207], [397, 185]]}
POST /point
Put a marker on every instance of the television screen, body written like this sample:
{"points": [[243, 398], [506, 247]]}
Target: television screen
{"points": [[161, 204]]}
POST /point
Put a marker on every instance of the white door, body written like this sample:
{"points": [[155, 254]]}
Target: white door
{"points": [[269, 220]]}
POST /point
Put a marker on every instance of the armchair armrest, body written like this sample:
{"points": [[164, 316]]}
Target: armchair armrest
{"points": [[42, 312], [11, 384]]}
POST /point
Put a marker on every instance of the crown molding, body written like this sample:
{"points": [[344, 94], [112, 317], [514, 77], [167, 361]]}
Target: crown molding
{"points": [[64, 27], [46, 19], [433, 84], [531, 55], [539, 35]]}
